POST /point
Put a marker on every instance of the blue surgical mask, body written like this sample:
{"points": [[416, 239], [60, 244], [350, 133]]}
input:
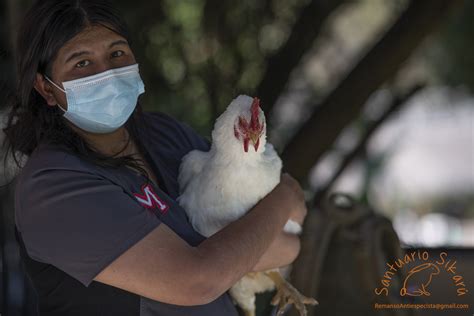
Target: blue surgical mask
{"points": [[103, 102]]}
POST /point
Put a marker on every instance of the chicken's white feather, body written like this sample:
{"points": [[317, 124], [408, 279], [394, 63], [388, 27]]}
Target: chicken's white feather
{"points": [[191, 165], [220, 186]]}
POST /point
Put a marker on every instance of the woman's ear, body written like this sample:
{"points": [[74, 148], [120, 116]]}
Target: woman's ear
{"points": [[45, 89]]}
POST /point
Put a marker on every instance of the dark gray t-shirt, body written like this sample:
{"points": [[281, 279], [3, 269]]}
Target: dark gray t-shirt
{"points": [[73, 218]]}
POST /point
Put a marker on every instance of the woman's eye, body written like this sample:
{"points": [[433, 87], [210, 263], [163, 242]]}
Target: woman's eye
{"points": [[117, 53], [82, 63]]}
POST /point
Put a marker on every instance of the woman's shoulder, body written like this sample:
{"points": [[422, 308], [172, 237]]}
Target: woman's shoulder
{"points": [[48, 161], [50, 168], [165, 122], [53, 156], [168, 128]]}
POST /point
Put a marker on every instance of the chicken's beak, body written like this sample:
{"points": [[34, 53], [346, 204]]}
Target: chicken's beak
{"points": [[255, 138]]}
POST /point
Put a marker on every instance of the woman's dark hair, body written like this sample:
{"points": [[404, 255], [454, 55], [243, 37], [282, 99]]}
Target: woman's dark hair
{"points": [[47, 26]]}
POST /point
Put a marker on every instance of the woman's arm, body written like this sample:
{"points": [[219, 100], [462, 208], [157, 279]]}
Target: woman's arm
{"points": [[164, 267], [282, 251]]}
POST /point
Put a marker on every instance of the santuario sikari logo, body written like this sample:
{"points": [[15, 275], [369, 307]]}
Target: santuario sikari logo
{"points": [[420, 271]]}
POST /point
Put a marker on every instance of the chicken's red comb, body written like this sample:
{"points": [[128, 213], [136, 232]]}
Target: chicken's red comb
{"points": [[255, 106], [254, 109]]}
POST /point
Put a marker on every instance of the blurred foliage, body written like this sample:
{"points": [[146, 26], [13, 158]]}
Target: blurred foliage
{"points": [[451, 53], [197, 55]]}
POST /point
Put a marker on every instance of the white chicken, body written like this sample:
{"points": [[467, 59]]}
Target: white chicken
{"points": [[220, 186]]}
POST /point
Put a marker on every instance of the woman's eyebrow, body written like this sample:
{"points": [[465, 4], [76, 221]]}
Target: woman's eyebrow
{"points": [[76, 54], [118, 42], [80, 53]]}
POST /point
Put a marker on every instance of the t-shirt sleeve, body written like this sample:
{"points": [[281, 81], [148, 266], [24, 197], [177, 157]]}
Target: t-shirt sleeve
{"points": [[78, 221]]}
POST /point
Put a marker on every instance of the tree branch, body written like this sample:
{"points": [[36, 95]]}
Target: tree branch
{"points": [[344, 103], [396, 105], [302, 36]]}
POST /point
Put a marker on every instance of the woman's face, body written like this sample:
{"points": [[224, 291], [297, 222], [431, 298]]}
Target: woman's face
{"points": [[94, 50]]}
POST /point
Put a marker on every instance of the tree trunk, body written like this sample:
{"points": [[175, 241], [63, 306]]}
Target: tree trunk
{"points": [[344, 103], [397, 103]]}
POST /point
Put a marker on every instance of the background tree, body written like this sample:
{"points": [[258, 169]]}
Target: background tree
{"points": [[197, 55]]}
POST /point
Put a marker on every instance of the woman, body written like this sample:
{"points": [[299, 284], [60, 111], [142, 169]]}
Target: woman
{"points": [[95, 210]]}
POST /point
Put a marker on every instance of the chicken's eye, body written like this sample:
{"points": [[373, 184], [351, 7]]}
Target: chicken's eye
{"points": [[83, 63], [236, 133]]}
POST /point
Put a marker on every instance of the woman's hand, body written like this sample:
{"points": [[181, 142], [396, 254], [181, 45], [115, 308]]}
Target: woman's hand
{"points": [[285, 247], [282, 251], [294, 196]]}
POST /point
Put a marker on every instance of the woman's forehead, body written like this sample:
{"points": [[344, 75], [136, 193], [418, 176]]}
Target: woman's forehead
{"points": [[92, 37]]}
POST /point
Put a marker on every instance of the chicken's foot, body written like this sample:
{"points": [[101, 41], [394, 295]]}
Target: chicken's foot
{"points": [[287, 294]]}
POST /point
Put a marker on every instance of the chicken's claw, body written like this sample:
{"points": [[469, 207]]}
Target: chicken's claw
{"points": [[287, 294]]}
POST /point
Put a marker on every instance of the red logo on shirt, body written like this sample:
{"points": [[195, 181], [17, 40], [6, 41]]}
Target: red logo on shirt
{"points": [[150, 200]]}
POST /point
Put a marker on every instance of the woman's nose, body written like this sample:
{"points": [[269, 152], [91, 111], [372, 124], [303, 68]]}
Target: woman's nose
{"points": [[104, 65]]}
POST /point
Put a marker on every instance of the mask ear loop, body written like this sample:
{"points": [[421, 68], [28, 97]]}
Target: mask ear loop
{"points": [[51, 81]]}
